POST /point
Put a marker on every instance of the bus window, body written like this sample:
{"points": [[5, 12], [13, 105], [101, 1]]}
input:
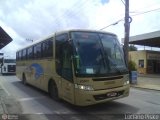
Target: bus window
{"points": [[47, 48], [37, 51], [50, 47], [24, 54], [66, 62], [17, 56], [59, 40], [30, 53], [20, 55]]}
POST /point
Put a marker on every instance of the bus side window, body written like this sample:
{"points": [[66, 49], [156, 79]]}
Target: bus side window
{"points": [[37, 51], [24, 54], [17, 56], [30, 53], [47, 48], [20, 55], [66, 62], [50, 47], [60, 39]]}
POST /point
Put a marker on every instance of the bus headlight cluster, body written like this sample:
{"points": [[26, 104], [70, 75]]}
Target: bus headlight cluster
{"points": [[126, 79], [84, 87]]}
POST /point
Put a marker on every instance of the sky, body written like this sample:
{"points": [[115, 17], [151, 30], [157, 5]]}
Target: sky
{"points": [[26, 20]]}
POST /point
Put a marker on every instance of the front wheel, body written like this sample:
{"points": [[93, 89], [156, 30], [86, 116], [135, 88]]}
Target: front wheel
{"points": [[53, 91]]}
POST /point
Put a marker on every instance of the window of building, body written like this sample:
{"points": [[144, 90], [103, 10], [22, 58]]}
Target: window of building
{"points": [[141, 63]]}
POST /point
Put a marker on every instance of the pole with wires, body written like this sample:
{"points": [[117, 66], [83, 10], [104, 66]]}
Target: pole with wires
{"points": [[127, 31]]}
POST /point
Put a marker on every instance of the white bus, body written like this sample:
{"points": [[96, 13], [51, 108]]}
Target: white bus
{"points": [[8, 66]]}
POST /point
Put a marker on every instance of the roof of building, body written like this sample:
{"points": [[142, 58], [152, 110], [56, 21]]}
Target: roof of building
{"points": [[4, 38], [149, 39]]}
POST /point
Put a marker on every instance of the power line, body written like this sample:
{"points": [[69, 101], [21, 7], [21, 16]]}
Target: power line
{"points": [[115, 23], [131, 15], [146, 12], [123, 2], [75, 8], [148, 6]]}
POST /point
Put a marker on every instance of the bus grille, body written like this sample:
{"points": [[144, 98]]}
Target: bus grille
{"points": [[11, 68], [109, 78], [105, 96]]}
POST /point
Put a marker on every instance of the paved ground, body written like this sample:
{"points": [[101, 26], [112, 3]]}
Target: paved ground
{"points": [[9, 106], [32, 104]]}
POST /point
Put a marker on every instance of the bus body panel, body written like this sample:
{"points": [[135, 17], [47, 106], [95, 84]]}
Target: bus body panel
{"points": [[68, 91]]}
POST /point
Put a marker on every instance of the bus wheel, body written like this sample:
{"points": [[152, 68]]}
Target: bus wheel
{"points": [[24, 79], [53, 91]]}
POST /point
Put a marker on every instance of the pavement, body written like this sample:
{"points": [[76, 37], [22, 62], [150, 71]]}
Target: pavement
{"points": [[3, 109], [10, 108], [149, 81]]}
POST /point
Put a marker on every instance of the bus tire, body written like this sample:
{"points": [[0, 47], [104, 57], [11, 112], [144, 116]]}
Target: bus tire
{"points": [[53, 91], [24, 79]]}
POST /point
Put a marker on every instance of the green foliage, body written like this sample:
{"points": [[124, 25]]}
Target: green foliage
{"points": [[132, 66], [132, 48]]}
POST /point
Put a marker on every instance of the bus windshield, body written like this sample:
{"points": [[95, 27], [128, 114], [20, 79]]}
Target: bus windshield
{"points": [[97, 54], [9, 61]]}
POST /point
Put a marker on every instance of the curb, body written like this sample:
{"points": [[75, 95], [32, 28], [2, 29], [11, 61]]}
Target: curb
{"points": [[144, 88], [149, 76]]}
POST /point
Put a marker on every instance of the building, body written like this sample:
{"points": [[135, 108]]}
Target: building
{"points": [[4, 38], [147, 62]]}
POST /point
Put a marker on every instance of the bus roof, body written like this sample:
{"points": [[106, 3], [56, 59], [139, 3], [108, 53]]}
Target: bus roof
{"points": [[63, 32]]}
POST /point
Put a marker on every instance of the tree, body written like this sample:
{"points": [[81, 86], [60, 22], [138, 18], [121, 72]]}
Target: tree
{"points": [[132, 48], [132, 66]]}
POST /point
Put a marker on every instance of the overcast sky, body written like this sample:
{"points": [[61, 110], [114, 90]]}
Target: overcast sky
{"points": [[33, 19]]}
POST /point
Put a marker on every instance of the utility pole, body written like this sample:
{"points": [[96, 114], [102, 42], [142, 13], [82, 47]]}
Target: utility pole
{"points": [[29, 39], [127, 31]]}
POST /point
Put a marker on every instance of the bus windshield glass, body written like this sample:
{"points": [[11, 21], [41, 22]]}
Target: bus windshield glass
{"points": [[9, 61], [97, 54]]}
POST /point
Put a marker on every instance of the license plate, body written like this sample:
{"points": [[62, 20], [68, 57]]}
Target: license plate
{"points": [[112, 94]]}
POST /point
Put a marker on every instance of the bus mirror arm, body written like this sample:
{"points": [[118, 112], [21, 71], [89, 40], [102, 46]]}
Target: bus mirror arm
{"points": [[77, 61]]}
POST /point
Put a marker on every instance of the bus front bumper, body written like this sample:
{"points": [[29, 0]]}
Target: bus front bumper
{"points": [[85, 98]]}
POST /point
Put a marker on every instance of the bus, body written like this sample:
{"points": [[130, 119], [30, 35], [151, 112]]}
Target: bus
{"points": [[82, 67], [8, 66]]}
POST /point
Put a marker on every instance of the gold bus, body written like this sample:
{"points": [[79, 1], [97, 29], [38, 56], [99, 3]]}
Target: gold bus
{"points": [[83, 67]]}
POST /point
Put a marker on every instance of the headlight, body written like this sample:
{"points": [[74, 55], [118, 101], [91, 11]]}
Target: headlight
{"points": [[126, 82], [84, 87], [126, 79]]}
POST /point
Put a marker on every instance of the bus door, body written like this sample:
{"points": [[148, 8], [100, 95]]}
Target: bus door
{"points": [[67, 74], [64, 67]]}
